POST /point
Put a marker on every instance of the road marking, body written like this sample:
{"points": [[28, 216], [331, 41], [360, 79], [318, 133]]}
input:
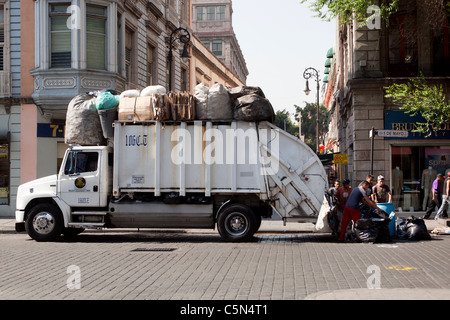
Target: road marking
{"points": [[401, 268]]}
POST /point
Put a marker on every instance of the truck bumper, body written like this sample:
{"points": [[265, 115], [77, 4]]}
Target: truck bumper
{"points": [[20, 222]]}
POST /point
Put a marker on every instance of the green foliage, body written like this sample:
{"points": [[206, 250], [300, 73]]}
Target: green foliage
{"points": [[347, 10], [417, 97], [308, 114], [283, 120]]}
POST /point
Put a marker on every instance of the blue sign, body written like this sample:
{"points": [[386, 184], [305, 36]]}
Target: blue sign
{"points": [[49, 130], [402, 121]]}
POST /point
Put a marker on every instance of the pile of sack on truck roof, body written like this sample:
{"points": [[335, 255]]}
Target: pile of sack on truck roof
{"points": [[90, 116]]}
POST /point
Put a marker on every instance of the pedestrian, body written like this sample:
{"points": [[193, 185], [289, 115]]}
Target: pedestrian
{"points": [[369, 179], [442, 212], [335, 188], [436, 191], [342, 196], [351, 210], [381, 192]]}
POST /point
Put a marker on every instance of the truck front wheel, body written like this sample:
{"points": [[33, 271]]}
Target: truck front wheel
{"points": [[236, 223], [44, 223]]}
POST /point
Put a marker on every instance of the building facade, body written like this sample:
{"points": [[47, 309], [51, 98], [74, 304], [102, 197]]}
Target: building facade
{"points": [[367, 60], [212, 23]]}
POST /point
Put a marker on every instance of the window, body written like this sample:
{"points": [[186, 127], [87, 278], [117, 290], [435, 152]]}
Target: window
{"points": [[217, 47], [96, 37], [201, 13], [211, 13], [129, 55], [441, 50], [80, 162], [402, 35], [150, 65], [60, 37]]}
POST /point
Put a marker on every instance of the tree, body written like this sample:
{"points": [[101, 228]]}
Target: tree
{"points": [[309, 123], [417, 97], [283, 120], [347, 10]]}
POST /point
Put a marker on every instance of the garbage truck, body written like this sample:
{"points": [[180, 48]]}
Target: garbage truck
{"points": [[192, 174]]}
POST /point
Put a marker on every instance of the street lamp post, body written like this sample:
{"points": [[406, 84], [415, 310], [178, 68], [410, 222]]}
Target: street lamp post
{"points": [[311, 72], [183, 35]]}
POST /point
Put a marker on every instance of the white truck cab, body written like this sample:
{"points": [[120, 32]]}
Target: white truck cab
{"points": [[84, 181]]}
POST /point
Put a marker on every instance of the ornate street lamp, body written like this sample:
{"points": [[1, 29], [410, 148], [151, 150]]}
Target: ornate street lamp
{"points": [[182, 35], [309, 73]]}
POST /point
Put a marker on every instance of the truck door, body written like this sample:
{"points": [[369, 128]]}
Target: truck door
{"points": [[79, 183]]}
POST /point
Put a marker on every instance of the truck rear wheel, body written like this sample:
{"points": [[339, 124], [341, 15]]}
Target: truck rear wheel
{"points": [[44, 223], [236, 223]]}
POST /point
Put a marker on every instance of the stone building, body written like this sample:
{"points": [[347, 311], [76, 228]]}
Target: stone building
{"points": [[212, 23], [367, 60]]}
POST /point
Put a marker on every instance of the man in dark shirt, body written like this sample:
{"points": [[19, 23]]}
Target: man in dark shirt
{"points": [[351, 211]]}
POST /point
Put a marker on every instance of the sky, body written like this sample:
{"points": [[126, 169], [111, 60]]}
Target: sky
{"points": [[279, 40]]}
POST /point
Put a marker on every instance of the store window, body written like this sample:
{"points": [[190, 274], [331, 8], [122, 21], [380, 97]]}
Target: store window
{"points": [[414, 168], [4, 174]]}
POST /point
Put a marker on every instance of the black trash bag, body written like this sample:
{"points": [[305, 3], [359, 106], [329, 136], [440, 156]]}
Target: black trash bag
{"points": [[241, 91], [253, 108], [418, 230], [382, 226], [366, 230], [332, 216], [412, 229]]}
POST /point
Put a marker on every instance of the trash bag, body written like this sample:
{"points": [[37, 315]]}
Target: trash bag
{"points": [[83, 122], [151, 90], [253, 107], [322, 225], [332, 216], [382, 225], [106, 100], [412, 229], [241, 91], [418, 230], [366, 230]]}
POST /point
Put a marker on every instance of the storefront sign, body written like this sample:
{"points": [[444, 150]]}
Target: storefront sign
{"points": [[49, 130], [400, 121]]}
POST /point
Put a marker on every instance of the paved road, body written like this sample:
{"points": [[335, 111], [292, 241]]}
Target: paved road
{"points": [[280, 263]]}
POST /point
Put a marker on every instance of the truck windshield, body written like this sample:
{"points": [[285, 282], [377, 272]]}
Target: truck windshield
{"points": [[79, 162]]}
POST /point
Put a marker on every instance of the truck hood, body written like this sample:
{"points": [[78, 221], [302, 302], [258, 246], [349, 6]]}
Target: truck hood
{"points": [[43, 187]]}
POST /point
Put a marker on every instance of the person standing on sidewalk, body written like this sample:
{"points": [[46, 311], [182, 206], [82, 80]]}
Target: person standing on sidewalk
{"points": [[442, 212], [351, 211], [436, 191], [381, 192], [342, 196]]}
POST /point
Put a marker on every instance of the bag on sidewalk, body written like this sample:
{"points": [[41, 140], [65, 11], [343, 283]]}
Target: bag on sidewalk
{"points": [[412, 229]]}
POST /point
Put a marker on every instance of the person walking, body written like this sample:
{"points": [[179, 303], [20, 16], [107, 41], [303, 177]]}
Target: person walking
{"points": [[442, 212], [436, 191], [351, 210], [381, 192]]}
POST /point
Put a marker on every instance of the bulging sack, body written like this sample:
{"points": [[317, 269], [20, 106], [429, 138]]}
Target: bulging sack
{"points": [[213, 103], [83, 122], [253, 107], [241, 91]]}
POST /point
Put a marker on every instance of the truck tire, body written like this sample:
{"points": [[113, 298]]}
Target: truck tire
{"points": [[44, 222], [236, 223]]}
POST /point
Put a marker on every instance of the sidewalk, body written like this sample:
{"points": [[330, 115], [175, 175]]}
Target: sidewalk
{"points": [[267, 226]]}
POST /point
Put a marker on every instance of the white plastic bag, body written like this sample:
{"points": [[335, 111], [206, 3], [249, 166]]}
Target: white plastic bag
{"points": [[322, 225], [130, 94], [153, 90]]}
